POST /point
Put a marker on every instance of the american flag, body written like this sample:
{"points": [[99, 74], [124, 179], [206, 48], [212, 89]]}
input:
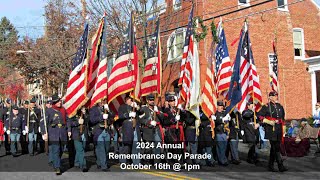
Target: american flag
{"points": [[151, 81], [94, 62], [223, 64], [245, 85], [186, 72], [76, 90], [101, 88], [124, 74], [209, 93], [273, 70]]}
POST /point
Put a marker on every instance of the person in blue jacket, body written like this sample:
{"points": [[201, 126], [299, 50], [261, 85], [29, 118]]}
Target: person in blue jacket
{"points": [[56, 120]]}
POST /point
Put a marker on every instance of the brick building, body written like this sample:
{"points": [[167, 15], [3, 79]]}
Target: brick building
{"points": [[295, 25]]}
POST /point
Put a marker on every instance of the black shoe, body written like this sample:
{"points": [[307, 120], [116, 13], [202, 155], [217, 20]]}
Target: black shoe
{"points": [[85, 169], [257, 162], [224, 164], [105, 170], [250, 161], [282, 168], [14, 155], [211, 165], [57, 171], [236, 162], [8, 153], [271, 169]]}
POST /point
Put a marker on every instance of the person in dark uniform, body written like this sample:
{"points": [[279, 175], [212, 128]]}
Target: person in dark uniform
{"points": [[56, 120], [77, 127], [205, 139], [5, 111], [273, 116], [221, 120], [101, 118], [233, 140], [174, 133], [251, 132], [15, 124], [127, 121], [190, 132], [34, 120], [151, 126], [24, 140]]}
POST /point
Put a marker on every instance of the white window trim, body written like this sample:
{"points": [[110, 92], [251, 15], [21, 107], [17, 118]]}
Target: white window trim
{"points": [[173, 35], [285, 7], [244, 4], [317, 5], [303, 47], [163, 8], [174, 5]]}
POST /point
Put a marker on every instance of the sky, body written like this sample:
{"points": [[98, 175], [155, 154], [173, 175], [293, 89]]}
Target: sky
{"points": [[25, 15]]}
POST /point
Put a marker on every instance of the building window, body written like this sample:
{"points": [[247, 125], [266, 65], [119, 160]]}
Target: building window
{"points": [[177, 4], [298, 43], [175, 45], [283, 5], [244, 2]]}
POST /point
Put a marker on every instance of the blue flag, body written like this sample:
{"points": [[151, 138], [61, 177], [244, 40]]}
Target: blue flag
{"points": [[234, 94]]}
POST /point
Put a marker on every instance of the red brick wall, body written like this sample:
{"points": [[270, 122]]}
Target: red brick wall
{"points": [[295, 83]]}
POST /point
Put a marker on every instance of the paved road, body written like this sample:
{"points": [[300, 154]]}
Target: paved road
{"points": [[33, 168]]}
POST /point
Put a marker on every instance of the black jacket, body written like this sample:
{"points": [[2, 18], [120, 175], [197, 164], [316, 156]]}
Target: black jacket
{"points": [[273, 110]]}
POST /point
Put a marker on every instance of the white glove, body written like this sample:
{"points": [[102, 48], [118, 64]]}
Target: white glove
{"points": [[8, 132], [4, 129], [24, 132], [83, 110], [155, 109], [69, 134], [226, 118], [105, 116], [134, 104], [213, 117], [26, 128], [132, 114], [81, 120], [179, 106], [45, 137], [106, 107], [177, 117], [153, 123], [242, 132]]}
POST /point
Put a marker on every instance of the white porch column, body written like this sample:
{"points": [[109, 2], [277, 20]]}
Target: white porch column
{"points": [[313, 89]]}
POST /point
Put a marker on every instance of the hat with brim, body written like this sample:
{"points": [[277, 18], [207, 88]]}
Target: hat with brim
{"points": [[33, 100], [15, 107], [26, 102], [8, 100], [220, 103], [55, 98], [273, 93], [150, 97]]}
